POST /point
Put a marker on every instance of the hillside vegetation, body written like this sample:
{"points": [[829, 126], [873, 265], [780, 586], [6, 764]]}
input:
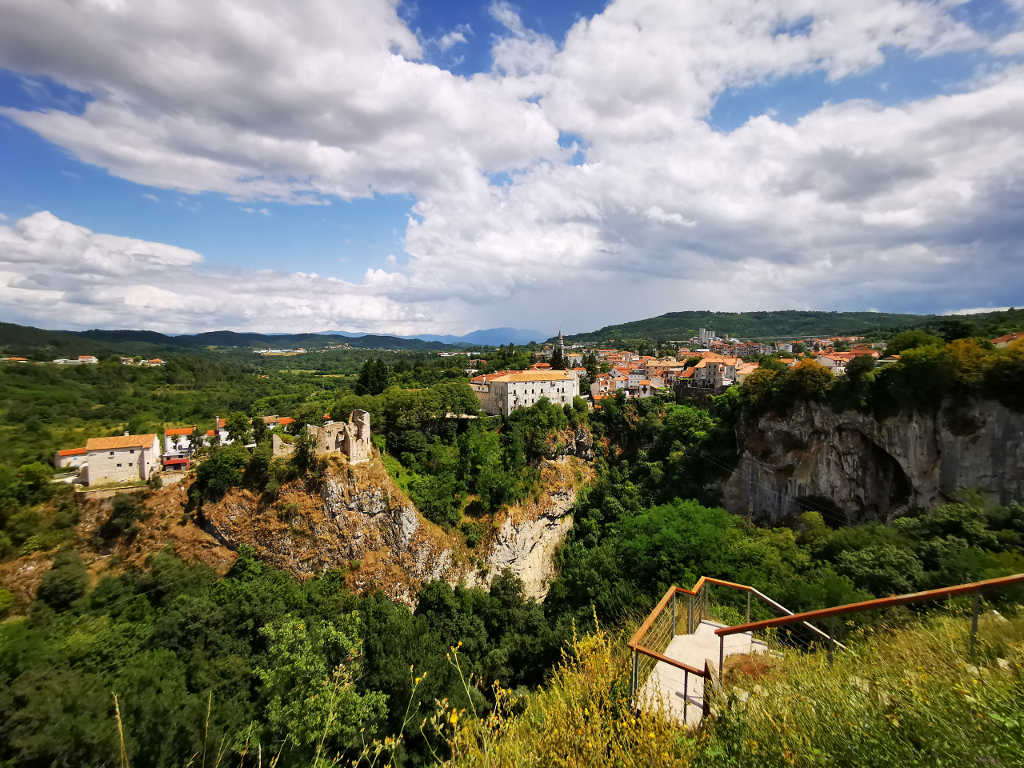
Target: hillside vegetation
{"points": [[22, 339], [793, 324]]}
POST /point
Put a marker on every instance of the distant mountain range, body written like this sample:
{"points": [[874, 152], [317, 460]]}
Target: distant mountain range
{"points": [[489, 337], [15, 339]]}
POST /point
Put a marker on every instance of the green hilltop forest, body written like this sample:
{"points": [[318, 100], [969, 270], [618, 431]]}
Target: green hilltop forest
{"points": [[791, 324], [26, 340], [256, 666]]}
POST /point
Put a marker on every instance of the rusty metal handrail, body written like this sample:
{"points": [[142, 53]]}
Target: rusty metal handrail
{"points": [[882, 602]]}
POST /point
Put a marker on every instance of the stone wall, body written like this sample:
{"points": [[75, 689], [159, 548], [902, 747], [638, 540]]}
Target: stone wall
{"points": [[352, 437]]}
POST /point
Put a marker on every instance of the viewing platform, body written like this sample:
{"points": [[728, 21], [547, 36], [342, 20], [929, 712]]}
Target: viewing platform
{"points": [[679, 652], [669, 687]]}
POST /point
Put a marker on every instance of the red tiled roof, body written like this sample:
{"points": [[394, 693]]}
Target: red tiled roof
{"points": [[71, 452], [1008, 337], [179, 431], [286, 420], [120, 441]]}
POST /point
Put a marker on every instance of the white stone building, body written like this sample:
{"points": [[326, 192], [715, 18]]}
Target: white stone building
{"points": [[177, 441], [521, 389], [122, 459], [69, 458]]}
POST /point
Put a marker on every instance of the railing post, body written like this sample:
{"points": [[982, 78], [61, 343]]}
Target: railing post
{"points": [[686, 689], [721, 656], [975, 611], [689, 615], [673, 614], [748, 607], [634, 681]]}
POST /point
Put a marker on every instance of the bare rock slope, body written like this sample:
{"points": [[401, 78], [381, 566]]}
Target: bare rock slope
{"points": [[855, 467]]}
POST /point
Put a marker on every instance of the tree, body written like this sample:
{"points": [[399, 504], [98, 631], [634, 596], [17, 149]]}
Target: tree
{"points": [[860, 367], [65, 582], [955, 328], [557, 359], [374, 378], [308, 682], [909, 340], [196, 441], [237, 425], [222, 471], [124, 513], [259, 429]]}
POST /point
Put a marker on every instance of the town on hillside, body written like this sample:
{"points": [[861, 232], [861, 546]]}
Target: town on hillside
{"points": [[706, 363], [132, 459]]}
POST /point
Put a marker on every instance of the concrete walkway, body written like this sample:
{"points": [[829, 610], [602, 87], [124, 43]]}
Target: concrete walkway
{"points": [[665, 687]]}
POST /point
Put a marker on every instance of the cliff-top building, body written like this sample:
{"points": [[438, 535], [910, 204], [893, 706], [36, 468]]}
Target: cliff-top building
{"points": [[521, 389]]}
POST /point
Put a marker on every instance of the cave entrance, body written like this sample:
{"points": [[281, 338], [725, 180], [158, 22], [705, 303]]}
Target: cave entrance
{"points": [[830, 512]]}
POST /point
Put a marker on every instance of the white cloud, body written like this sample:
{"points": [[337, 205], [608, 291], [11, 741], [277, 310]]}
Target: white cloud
{"points": [[260, 211], [54, 273], [456, 36], [3, 217], [855, 204], [260, 100], [523, 51], [151, 197], [975, 310]]}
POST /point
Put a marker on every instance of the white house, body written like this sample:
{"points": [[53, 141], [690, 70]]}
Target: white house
{"points": [[177, 441], [69, 458], [715, 371], [122, 459], [521, 389]]}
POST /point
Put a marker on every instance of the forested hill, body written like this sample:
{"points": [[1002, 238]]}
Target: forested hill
{"points": [[22, 339], [792, 324]]}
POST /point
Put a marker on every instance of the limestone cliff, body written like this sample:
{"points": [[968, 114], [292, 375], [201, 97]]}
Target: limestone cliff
{"points": [[528, 534], [854, 467], [358, 519], [355, 519]]}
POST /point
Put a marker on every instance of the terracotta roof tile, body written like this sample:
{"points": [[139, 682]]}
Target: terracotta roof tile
{"points": [[120, 441]]}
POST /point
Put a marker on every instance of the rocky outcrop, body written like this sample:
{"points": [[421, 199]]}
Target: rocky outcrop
{"points": [[356, 520], [529, 534], [853, 467], [578, 442], [359, 521]]}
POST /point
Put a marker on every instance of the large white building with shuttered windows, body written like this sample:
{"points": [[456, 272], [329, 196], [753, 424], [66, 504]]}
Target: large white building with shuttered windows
{"points": [[521, 389]]}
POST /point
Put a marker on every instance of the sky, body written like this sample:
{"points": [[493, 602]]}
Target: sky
{"points": [[439, 167]]}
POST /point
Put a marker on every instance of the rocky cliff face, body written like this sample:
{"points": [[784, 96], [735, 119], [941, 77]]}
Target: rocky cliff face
{"points": [[853, 467], [528, 534], [355, 520], [358, 519]]}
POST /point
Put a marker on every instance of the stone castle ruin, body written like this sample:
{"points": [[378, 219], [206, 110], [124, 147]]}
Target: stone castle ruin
{"points": [[350, 437]]}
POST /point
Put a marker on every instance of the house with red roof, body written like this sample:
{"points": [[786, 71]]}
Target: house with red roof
{"points": [[69, 458], [1007, 340]]}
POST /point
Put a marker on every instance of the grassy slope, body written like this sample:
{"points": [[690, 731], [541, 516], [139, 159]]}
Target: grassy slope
{"points": [[897, 698]]}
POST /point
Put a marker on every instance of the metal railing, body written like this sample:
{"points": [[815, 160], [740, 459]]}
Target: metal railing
{"points": [[785, 622], [681, 611], [740, 608]]}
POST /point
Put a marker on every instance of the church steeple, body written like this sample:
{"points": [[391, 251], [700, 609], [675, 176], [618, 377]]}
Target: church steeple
{"points": [[561, 343]]}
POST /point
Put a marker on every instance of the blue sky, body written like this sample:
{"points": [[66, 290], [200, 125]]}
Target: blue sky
{"points": [[445, 166]]}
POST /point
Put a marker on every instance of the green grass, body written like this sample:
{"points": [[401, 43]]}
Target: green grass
{"points": [[907, 697]]}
